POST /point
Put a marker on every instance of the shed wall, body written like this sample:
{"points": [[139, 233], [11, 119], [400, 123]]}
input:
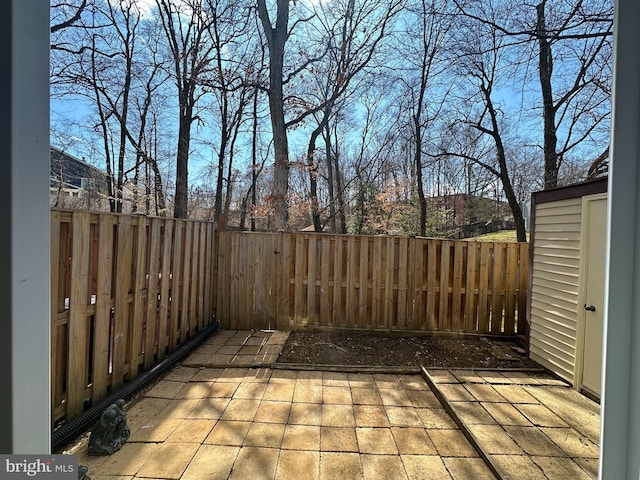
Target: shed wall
{"points": [[555, 285]]}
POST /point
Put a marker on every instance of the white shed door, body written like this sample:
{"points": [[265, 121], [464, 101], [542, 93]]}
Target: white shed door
{"points": [[596, 216]]}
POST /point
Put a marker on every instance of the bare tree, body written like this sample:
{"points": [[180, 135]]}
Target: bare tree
{"points": [[186, 25], [576, 91]]}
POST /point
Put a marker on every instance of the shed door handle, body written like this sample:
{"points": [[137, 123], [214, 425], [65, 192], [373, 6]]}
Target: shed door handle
{"points": [[590, 308]]}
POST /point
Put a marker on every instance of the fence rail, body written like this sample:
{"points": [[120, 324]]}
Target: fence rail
{"points": [[381, 283], [125, 292]]}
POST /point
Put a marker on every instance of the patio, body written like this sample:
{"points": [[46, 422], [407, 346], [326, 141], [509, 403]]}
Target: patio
{"points": [[223, 413]]}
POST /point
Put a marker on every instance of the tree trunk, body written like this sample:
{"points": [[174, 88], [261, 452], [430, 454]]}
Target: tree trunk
{"points": [[182, 160], [551, 164], [276, 40]]}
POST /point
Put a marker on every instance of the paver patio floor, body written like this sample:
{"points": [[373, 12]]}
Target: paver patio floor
{"points": [[240, 420]]}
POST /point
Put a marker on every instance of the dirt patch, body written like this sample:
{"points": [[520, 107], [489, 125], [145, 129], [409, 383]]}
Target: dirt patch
{"points": [[366, 349]]}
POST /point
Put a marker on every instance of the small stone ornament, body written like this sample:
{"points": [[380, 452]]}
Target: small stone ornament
{"points": [[110, 432]]}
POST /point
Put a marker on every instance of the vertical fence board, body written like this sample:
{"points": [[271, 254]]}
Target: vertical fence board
{"points": [[352, 279], [405, 319], [432, 272], [102, 323], [445, 273], [123, 285], [78, 322], [312, 274], [193, 280], [389, 320], [338, 280], [497, 287], [483, 287], [140, 297], [185, 282], [523, 283], [152, 293], [202, 268], [470, 299], [459, 254], [176, 278], [327, 281], [165, 281], [363, 282], [510, 288]]}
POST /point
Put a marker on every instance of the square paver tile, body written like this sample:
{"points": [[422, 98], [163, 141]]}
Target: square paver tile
{"points": [[403, 417], [561, 468], [272, 412], [209, 408], [167, 461], [455, 393], [370, 416], [213, 462], [206, 375], [494, 440], [181, 374], [127, 461], [484, 393], [472, 413], [310, 377], [165, 389], [425, 467], [435, 418], [413, 441], [396, 397], [589, 465], [250, 391], [228, 433], [264, 435], [335, 379], [223, 389], [190, 431], [423, 399], [307, 393], [256, 463], [377, 441], [541, 416], [298, 464], [281, 391], [451, 443], [180, 408], [340, 465], [241, 410], [467, 376], [336, 395], [468, 469], [361, 380], [389, 467], [495, 377], [365, 396], [506, 414], [195, 390], [338, 416], [534, 442], [442, 376], [515, 394], [572, 443], [301, 437], [518, 466], [338, 439], [306, 414], [415, 382], [156, 429]]}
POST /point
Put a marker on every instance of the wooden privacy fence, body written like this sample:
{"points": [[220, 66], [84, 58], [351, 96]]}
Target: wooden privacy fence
{"points": [[125, 292], [300, 280]]}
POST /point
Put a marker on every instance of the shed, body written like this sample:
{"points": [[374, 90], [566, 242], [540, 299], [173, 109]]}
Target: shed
{"points": [[568, 231]]}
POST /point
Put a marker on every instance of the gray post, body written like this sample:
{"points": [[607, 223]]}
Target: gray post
{"points": [[24, 223], [620, 438]]}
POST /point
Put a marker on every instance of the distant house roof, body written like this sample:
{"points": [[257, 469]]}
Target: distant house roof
{"points": [[73, 172]]}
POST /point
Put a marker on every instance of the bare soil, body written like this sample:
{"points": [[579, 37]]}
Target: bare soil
{"points": [[367, 349]]}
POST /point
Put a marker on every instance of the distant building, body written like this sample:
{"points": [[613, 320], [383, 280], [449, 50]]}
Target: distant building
{"points": [[77, 185]]}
